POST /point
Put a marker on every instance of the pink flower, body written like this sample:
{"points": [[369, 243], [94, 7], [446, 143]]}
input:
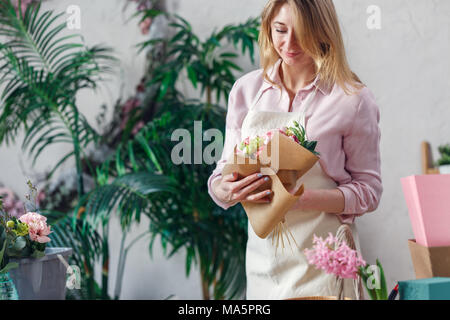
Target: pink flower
{"points": [[12, 205], [37, 227], [40, 197], [145, 25], [138, 127], [342, 261], [128, 107], [24, 4], [294, 137]]}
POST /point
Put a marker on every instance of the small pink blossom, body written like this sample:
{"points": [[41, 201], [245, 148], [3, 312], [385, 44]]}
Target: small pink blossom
{"points": [[38, 228], [138, 127], [40, 197], [342, 261], [145, 25], [128, 107], [12, 205]]}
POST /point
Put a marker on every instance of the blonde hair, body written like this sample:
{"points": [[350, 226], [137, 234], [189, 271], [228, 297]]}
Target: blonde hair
{"points": [[319, 35]]}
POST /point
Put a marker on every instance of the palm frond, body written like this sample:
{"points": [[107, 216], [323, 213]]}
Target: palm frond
{"points": [[42, 70], [130, 193]]}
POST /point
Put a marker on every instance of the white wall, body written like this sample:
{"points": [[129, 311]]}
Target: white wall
{"points": [[403, 64]]}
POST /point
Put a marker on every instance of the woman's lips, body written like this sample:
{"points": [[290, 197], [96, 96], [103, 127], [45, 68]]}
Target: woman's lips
{"points": [[291, 55]]}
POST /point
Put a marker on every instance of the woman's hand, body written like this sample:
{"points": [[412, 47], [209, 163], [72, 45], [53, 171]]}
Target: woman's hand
{"points": [[230, 190]]}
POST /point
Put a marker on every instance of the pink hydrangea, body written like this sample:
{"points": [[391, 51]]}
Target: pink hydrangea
{"points": [[37, 227], [12, 205], [342, 261]]}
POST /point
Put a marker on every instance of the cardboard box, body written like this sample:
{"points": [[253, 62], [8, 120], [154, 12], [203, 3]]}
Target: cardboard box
{"points": [[429, 262]]}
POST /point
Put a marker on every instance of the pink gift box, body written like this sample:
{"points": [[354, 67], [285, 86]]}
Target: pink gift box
{"points": [[428, 201]]}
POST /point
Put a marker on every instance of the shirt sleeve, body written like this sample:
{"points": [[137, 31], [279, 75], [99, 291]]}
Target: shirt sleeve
{"points": [[236, 113], [362, 150]]}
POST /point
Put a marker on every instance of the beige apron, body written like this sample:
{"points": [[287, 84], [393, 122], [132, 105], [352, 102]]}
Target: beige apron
{"points": [[274, 273]]}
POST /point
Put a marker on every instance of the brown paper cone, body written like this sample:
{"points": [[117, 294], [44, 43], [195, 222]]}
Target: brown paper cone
{"points": [[285, 161]]}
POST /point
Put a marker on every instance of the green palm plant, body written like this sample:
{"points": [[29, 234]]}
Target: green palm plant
{"points": [[186, 218], [42, 71]]}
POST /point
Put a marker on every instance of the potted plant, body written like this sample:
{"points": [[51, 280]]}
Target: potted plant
{"points": [[185, 218], [444, 162], [37, 271]]}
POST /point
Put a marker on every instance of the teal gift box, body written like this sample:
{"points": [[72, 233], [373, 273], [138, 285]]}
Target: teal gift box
{"points": [[437, 288]]}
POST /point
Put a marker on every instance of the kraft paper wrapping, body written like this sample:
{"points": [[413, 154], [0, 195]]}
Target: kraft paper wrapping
{"points": [[285, 162]]}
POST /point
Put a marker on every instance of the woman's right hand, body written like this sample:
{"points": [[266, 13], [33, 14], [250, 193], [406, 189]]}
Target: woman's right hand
{"points": [[230, 190]]}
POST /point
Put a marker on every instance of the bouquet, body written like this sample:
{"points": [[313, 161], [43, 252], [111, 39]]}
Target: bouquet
{"points": [[253, 147], [285, 155], [20, 237]]}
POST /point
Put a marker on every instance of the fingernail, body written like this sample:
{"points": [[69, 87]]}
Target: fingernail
{"points": [[266, 179], [268, 192], [260, 175]]}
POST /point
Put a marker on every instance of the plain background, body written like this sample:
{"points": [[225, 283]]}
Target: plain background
{"points": [[403, 64]]}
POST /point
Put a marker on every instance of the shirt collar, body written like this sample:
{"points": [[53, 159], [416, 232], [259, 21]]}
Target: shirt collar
{"points": [[274, 75]]}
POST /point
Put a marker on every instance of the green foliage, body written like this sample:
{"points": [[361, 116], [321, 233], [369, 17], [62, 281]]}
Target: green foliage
{"points": [[181, 214], [366, 273], [201, 61], [42, 71], [4, 266], [300, 133], [444, 151]]}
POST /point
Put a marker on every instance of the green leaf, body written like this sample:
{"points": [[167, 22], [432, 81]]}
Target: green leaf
{"points": [[364, 277], [192, 76], [383, 290], [9, 267], [19, 244], [189, 256], [38, 254], [2, 251], [167, 80]]}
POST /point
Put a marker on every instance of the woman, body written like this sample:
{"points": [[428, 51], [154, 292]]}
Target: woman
{"points": [[306, 77]]}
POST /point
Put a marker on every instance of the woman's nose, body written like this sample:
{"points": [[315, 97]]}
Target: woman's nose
{"points": [[292, 42]]}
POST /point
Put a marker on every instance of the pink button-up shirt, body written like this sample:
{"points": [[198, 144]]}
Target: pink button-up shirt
{"points": [[346, 128]]}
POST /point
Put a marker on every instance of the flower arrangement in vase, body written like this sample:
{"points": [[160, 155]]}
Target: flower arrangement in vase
{"points": [[24, 236]]}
